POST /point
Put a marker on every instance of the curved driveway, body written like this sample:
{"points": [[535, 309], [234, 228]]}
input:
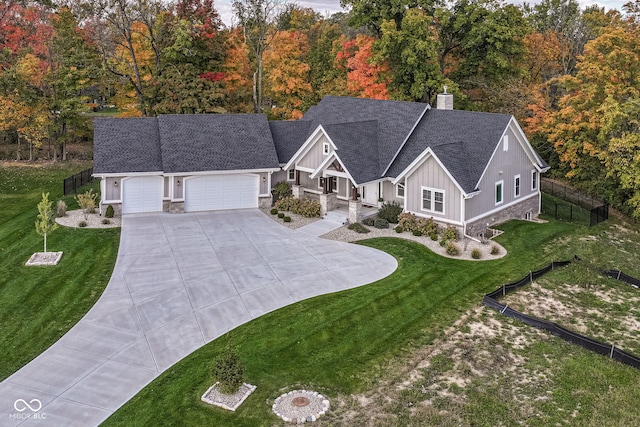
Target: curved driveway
{"points": [[180, 281]]}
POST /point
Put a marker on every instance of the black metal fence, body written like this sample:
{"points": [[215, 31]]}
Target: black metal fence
{"points": [[605, 349], [76, 181], [571, 205]]}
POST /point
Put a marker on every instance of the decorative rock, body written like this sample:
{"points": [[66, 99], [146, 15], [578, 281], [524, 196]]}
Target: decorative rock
{"points": [[300, 406], [230, 402]]}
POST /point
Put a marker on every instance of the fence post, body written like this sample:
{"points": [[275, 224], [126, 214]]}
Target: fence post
{"points": [[503, 290], [531, 277], [619, 271], [570, 212], [611, 354]]}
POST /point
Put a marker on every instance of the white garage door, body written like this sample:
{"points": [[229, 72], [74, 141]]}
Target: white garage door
{"points": [[142, 194], [217, 192]]}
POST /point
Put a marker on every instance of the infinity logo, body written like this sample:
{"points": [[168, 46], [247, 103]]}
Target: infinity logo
{"points": [[21, 405]]}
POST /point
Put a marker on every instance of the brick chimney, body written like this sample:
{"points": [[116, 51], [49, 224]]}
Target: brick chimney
{"points": [[444, 101]]}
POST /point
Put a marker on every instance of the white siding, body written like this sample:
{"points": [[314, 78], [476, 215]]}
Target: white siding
{"points": [[431, 175], [504, 166], [315, 156]]}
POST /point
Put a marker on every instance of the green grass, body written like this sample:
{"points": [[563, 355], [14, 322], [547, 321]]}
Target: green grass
{"points": [[39, 304], [565, 211], [342, 343]]}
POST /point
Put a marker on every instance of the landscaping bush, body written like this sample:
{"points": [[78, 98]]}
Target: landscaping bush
{"points": [[368, 221], [390, 211], [495, 250], [281, 189], [287, 219], [433, 236], [82, 224], [87, 201], [381, 223], [281, 215], [452, 249], [476, 254], [417, 233], [443, 243], [412, 223], [358, 228], [450, 234], [61, 208], [109, 212], [274, 211], [106, 221], [399, 229], [229, 371], [305, 207]]}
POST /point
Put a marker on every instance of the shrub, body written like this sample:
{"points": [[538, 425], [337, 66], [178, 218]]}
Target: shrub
{"points": [[450, 233], [433, 236], [287, 219], [368, 221], [452, 249], [274, 211], [281, 189], [87, 201], [305, 207], [443, 243], [390, 212], [82, 224], [381, 223], [407, 221], [106, 221], [109, 212], [399, 229], [358, 228], [228, 371], [417, 233], [281, 215], [476, 254], [61, 208], [495, 250]]}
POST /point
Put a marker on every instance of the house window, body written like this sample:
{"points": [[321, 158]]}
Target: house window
{"points": [[505, 143], [534, 180], [291, 175], [400, 191], [499, 192], [325, 148], [516, 186], [432, 200]]}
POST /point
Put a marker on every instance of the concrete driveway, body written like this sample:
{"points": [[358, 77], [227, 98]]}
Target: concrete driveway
{"points": [[180, 281]]}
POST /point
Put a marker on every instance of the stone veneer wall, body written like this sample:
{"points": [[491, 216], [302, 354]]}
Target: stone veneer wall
{"points": [[328, 202], [172, 207], [517, 211], [265, 202]]}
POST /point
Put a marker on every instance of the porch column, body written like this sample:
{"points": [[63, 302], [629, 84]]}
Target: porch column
{"points": [[354, 193], [297, 177], [355, 209], [324, 185]]}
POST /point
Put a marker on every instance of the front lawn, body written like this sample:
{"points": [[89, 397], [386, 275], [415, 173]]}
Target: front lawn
{"points": [[343, 343], [39, 304]]}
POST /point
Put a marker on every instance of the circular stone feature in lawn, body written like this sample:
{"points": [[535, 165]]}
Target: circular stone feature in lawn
{"points": [[300, 406]]}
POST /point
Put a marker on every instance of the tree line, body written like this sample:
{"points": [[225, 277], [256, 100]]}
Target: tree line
{"points": [[569, 75]]}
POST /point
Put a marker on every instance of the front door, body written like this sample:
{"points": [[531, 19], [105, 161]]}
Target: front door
{"points": [[370, 194]]}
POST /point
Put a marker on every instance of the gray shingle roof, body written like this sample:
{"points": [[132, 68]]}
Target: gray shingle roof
{"points": [[288, 136], [126, 145], [357, 144], [463, 141], [396, 119], [216, 142]]}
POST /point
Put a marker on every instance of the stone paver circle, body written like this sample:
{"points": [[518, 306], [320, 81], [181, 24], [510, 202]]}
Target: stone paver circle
{"points": [[300, 406]]}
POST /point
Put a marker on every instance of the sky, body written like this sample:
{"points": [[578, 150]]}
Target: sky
{"points": [[332, 6]]}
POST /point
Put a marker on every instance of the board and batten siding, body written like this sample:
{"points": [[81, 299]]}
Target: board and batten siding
{"points": [[112, 189], [314, 156], [431, 175], [504, 166], [308, 183], [389, 193]]}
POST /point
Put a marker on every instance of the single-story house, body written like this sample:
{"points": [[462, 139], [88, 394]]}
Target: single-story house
{"points": [[462, 168]]}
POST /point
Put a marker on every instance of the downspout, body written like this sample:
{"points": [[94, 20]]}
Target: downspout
{"points": [[464, 221]]}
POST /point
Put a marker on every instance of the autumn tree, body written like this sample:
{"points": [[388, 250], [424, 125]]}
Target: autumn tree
{"points": [[596, 130], [257, 18], [287, 74], [365, 77]]}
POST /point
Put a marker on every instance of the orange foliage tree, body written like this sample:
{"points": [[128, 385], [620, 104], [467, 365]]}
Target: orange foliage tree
{"points": [[366, 78]]}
